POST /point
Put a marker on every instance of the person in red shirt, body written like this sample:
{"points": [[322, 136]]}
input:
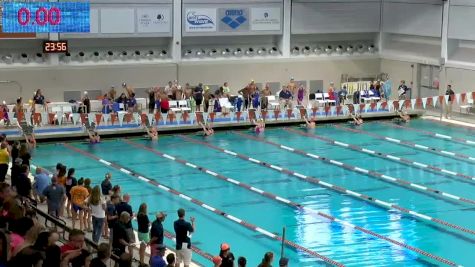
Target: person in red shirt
{"points": [[164, 104], [74, 253]]}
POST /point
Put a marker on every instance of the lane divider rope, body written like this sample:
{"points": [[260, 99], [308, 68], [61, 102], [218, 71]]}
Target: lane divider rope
{"points": [[206, 206], [411, 144], [288, 202], [433, 134], [166, 233], [340, 189], [379, 154]]}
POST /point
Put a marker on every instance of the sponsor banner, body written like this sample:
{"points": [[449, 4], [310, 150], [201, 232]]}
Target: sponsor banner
{"points": [[152, 20], [266, 19], [200, 20], [233, 19]]}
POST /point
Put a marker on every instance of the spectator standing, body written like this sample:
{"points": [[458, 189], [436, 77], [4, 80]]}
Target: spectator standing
{"points": [[55, 195], [448, 108], [156, 231], [171, 260], [79, 194], [242, 262], [23, 186], [103, 256], [74, 253], [217, 261], [284, 262], [111, 214], [267, 260], [4, 161], [41, 182], [15, 171], [87, 211], [106, 185], [198, 96], [70, 182], [24, 154], [401, 90], [226, 256], [120, 238], [97, 205], [285, 97], [183, 230], [124, 206], [143, 229]]}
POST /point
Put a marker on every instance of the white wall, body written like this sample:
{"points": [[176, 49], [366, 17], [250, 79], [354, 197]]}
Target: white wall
{"points": [[54, 81], [400, 70], [462, 80]]}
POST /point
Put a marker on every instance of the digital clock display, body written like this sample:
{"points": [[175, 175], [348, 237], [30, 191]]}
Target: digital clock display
{"points": [[55, 47], [42, 17]]}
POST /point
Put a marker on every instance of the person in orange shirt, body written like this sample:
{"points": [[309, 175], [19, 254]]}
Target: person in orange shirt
{"points": [[79, 194]]}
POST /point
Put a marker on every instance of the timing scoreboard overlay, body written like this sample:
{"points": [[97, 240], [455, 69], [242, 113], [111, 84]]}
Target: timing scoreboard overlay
{"points": [[43, 17]]}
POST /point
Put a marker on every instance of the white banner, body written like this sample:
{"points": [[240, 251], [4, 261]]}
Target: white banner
{"points": [[424, 102], [413, 103], [446, 97], [435, 99], [457, 98], [200, 20], [154, 19], [106, 118], [266, 19]]}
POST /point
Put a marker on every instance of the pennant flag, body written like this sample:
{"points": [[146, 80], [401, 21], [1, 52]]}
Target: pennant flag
{"points": [[149, 117], [238, 116], [408, 103], [264, 114], [158, 116], [378, 105], [338, 110], [457, 98], [413, 103], [345, 110], [384, 105], [107, 117], [419, 102], [424, 102], [120, 117], [98, 118], [332, 110], [90, 118], [351, 108], [362, 107], [303, 113], [51, 118], [177, 116], [45, 118], [211, 116], [28, 118], [252, 114], [205, 116], [441, 99], [473, 95], [289, 113], [36, 118], [143, 119], [372, 105], [114, 118], [396, 105], [75, 118], [327, 108], [185, 116], [463, 96], [434, 100], [83, 118]]}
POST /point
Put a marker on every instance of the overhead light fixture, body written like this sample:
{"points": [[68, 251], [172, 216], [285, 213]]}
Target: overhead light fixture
{"points": [[188, 53], [274, 51], [95, 56], [349, 49], [295, 50], [123, 55], [163, 53], [261, 51], [318, 50], [339, 49], [110, 55], [237, 52], [371, 48], [200, 53], [225, 52], [81, 56], [306, 50], [24, 58], [361, 48], [329, 49], [212, 52], [39, 58], [67, 57], [8, 59], [250, 52], [137, 53]]}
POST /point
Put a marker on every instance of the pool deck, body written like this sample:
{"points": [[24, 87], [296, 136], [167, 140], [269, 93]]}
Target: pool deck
{"points": [[70, 131]]}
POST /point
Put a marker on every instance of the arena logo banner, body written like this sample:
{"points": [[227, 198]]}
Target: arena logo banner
{"points": [[266, 19], [200, 20], [154, 20], [235, 19]]}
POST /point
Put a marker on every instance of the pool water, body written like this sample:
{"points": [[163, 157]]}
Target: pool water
{"points": [[346, 245]]}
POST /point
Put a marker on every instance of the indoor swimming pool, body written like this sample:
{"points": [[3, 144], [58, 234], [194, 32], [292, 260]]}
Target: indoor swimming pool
{"points": [[381, 194]]}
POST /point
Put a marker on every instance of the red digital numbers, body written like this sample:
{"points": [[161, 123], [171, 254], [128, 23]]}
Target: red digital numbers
{"points": [[43, 16]]}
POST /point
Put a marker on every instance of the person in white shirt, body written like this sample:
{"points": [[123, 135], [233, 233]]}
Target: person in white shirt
{"points": [[97, 204]]}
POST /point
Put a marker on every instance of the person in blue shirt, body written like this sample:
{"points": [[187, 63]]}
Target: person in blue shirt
{"points": [[285, 97], [42, 181], [157, 260], [131, 103]]}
